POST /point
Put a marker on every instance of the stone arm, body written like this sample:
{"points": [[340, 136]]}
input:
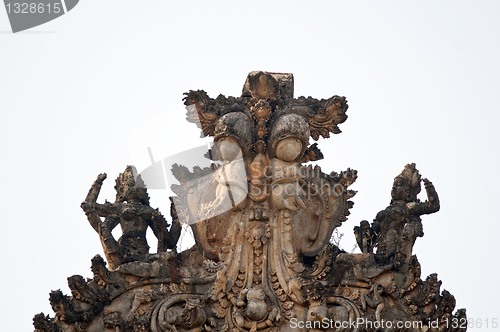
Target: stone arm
{"points": [[93, 210], [160, 229], [429, 206], [166, 239], [107, 209], [175, 230], [377, 227], [377, 223]]}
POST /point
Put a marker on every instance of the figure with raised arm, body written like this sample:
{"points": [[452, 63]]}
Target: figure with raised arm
{"points": [[399, 224], [132, 211]]}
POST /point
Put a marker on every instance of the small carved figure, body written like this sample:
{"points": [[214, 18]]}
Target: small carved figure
{"points": [[132, 211], [141, 296], [218, 289], [114, 320], [190, 317], [399, 224], [257, 312], [365, 237], [256, 308], [173, 317], [376, 301], [289, 138], [230, 179]]}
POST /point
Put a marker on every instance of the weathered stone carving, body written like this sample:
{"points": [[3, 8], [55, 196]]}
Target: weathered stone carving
{"points": [[132, 211], [262, 222]]}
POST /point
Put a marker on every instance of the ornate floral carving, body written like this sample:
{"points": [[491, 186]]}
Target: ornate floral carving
{"points": [[329, 114]]}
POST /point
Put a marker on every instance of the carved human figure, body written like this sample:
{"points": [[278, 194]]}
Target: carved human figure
{"points": [[231, 184], [399, 224], [376, 301], [365, 237], [190, 317], [289, 138], [255, 310], [132, 211]]}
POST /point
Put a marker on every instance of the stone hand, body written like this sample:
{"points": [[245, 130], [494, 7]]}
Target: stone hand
{"points": [[289, 196]]}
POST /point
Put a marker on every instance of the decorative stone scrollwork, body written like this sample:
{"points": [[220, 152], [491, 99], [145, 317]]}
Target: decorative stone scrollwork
{"points": [[181, 312]]}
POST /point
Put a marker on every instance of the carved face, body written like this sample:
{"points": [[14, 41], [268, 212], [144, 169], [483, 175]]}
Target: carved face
{"points": [[131, 193], [378, 289], [289, 137], [233, 135], [289, 149], [130, 187], [229, 148], [400, 190]]}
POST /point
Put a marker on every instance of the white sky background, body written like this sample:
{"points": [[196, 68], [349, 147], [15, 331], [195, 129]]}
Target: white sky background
{"points": [[421, 78]]}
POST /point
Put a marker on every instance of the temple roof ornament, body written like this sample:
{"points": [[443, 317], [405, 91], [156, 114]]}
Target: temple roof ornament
{"points": [[262, 220]]}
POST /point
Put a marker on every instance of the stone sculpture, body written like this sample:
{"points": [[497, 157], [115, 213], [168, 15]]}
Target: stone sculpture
{"points": [[262, 222], [132, 211]]}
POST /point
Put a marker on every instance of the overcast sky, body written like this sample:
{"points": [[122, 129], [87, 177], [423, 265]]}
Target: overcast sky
{"points": [[89, 92]]}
